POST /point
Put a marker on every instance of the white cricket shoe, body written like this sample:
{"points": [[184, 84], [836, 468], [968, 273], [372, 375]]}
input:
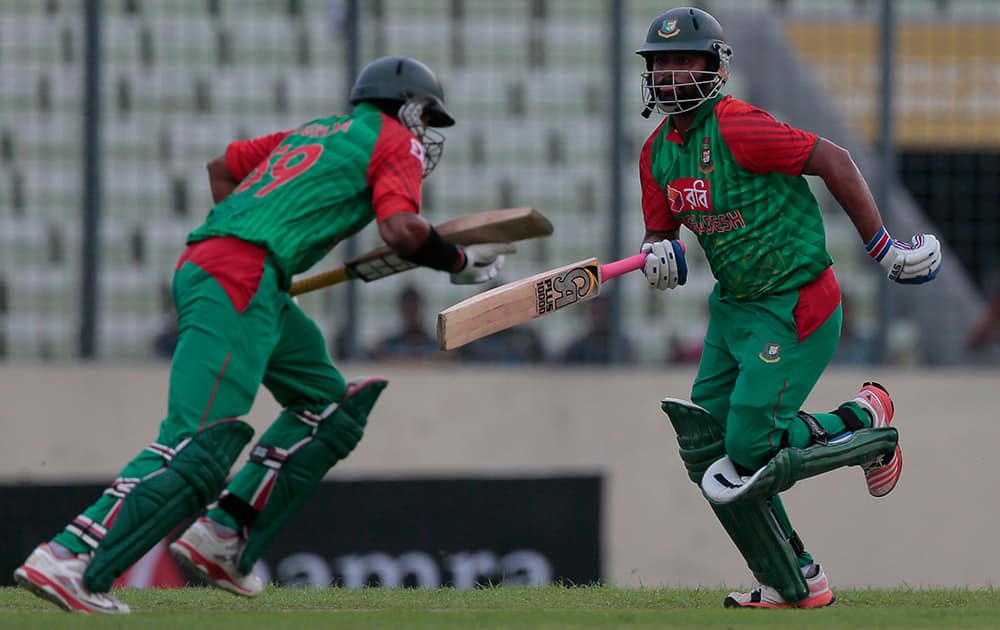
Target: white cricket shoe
{"points": [[215, 558], [882, 473], [764, 596], [60, 580]]}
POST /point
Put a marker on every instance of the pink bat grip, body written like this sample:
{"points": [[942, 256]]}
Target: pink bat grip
{"points": [[614, 269]]}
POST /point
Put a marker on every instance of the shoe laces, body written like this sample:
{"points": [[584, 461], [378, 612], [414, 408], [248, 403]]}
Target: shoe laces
{"points": [[875, 464]]}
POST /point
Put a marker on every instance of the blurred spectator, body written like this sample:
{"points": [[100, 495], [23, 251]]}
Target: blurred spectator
{"points": [[166, 337], [593, 346], [516, 345], [685, 346], [339, 343], [686, 349], [412, 341], [987, 328], [855, 347]]}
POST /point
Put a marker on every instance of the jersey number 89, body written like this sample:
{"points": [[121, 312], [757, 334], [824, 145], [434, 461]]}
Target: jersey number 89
{"points": [[290, 164]]}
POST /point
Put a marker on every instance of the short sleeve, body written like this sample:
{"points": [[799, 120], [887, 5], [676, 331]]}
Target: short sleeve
{"points": [[242, 156], [655, 211], [396, 171], [760, 144]]}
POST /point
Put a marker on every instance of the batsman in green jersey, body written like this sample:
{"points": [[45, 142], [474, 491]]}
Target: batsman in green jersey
{"points": [[733, 175], [282, 202]]}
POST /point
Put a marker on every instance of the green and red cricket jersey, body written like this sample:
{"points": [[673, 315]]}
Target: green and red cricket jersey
{"points": [[735, 180], [302, 191]]}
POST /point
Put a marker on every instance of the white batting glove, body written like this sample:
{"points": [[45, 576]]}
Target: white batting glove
{"points": [[915, 262], [665, 266], [482, 262]]}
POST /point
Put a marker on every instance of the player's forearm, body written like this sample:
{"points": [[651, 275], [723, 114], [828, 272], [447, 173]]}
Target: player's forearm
{"points": [[847, 185], [854, 196]]}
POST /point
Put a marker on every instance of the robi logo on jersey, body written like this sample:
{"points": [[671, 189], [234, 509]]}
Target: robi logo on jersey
{"points": [[689, 195]]}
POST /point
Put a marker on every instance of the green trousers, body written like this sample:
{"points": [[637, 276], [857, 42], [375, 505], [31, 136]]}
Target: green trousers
{"points": [[760, 361], [224, 353], [755, 374]]}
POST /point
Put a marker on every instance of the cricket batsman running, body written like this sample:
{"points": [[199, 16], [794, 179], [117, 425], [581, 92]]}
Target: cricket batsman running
{"points": [[734, 176], [282, 201]]}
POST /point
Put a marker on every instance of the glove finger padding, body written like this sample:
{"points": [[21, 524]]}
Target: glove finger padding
{"points": [[482, 262], [919, 262], [493, 268], [665, 267]]}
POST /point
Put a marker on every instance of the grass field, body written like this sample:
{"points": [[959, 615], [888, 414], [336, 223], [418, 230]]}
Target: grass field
{"points": [[535, 608]]}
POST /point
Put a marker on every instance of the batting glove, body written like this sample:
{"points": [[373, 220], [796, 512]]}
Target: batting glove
{"points": [[665, 266], [482, 262], [916, 262]]}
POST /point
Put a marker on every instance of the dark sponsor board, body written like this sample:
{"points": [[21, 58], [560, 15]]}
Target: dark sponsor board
{"points": [[463, 533]]}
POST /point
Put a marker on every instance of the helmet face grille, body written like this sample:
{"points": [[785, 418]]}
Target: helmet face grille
{"points": [[411, 115], [690, 89]]}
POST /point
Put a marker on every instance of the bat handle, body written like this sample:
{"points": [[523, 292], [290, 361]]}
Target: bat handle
{"points": [[614, 269]]}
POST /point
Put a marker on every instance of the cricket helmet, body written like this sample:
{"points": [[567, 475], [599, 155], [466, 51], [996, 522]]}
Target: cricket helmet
{"points": [[407, 90], [398, 80], [686, 29]]}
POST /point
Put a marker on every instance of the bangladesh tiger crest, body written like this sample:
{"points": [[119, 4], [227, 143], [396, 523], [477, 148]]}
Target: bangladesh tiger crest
{"points": [[668, 29], [705, 164], [771, 353]]}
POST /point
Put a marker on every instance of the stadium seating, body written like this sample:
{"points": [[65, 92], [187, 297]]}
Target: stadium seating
{"points": [[527, 81]]}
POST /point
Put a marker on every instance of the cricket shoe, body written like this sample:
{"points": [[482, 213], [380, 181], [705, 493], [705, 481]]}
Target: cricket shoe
{"points": [[882, 473], [60, 580], [766, 597], [215, 558]]}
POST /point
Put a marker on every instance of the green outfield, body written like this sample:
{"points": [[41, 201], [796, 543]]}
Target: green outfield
{"points": [[535, 608]]}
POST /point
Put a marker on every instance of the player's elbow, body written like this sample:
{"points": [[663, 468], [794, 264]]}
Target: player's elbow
{"points": [[218, 170], [830, 160]]}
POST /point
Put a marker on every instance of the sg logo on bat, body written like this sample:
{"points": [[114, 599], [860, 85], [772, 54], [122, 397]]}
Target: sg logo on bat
{"points": [[552, 294]]}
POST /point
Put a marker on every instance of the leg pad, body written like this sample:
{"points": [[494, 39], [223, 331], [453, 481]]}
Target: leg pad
{"points": [[722, 484], [770, 552], [184, 486], [337, 432]]}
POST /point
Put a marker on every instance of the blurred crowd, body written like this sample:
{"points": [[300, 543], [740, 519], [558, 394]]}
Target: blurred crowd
{"points": [[413, 339]]}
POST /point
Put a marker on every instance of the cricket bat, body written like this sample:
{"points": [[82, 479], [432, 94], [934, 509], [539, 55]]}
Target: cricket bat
{"points": [[506, 225], [523, 300]]}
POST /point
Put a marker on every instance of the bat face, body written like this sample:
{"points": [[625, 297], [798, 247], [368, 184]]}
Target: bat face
{"points": [[567, 288], [523, 300], [518, 302]]}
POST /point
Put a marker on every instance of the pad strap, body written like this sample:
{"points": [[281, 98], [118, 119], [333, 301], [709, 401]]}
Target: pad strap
{"points": [[819, 434], [849, 418]]}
